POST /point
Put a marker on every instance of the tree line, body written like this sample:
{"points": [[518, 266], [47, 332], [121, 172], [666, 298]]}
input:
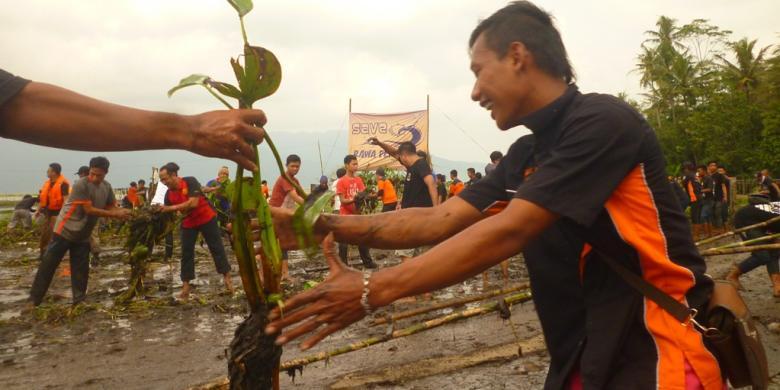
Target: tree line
{"points": [[710, 97]]}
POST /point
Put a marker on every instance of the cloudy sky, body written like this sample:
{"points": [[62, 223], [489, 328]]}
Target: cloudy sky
{"points": [[385, 55]]}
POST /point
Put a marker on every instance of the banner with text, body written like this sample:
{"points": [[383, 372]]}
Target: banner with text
{"points": [[392, 129]]}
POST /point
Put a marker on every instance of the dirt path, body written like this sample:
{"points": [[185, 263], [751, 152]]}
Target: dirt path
{"points": [[162, 344]]}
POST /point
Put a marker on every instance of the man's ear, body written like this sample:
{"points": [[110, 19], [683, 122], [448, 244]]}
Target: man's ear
{"points": [[519, 55]]}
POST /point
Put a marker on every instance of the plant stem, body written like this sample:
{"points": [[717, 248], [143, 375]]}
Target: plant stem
{"points": [[211, 91], [243, 31]]}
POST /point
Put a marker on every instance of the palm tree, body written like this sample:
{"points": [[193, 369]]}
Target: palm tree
{"points": [[745, 72]]}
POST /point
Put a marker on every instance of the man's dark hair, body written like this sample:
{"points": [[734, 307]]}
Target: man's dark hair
{"points": [[422, 154], [441, 177], [712, 162], [293, 158], [688, 166], [478, 175], [171, 167], [496, 156], [407, 147], [472, 170], [454, 172], [133, 184], [380, 172], [99, 162], [27, 196], [340, 173], [141, 181], [264, 182], [349, 158], [522, 21], [704, 167], [56, 167]]}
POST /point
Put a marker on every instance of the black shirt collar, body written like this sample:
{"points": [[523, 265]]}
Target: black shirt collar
{"points": [[543, 117]]}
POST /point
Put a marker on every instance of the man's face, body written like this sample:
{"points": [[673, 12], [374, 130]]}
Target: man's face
{"points": [[712, 168], [169, 179], [351, 166], [471, 174], [96, 175], [407, 160], [223, 173], [702, 172], [51, 174], [500, 86], [722, 171], [293, 168], [452, 176], [765, 172]]}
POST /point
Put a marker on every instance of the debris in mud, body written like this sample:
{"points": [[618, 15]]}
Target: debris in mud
{"points": [[148, 226], [291, 372]]}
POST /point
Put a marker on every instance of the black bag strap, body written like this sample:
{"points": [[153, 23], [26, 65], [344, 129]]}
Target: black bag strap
{"points": [[679, 311]]}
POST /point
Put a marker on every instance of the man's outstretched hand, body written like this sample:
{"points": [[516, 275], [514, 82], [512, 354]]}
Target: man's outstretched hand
{"points": [[227, 134], [332, 305]]}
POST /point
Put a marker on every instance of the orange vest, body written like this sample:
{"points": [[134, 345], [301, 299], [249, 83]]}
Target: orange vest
{"points": [[51, 195]]}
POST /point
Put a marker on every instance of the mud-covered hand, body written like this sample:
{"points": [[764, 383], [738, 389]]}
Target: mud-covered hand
{"points": [[227, 134], [333, 305]]}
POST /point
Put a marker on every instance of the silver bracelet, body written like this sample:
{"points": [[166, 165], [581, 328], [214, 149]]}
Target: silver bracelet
{"points": [[364, 298]]}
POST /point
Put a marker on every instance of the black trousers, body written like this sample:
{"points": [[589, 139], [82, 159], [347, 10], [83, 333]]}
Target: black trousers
{"points": [[79, 268], [365, 254], [211, 233]]}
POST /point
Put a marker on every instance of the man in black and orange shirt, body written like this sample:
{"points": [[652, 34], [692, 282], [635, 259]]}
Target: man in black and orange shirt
{"points": [[600, 176], [692, 186], [184, 195]]}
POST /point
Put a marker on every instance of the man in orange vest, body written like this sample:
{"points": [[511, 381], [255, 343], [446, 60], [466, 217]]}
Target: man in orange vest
{"points": [[52, 197], [385, 191]]}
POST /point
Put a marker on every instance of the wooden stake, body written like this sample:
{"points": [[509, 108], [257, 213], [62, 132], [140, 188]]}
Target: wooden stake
{"points": [[449, 303], [735, 231], [408, 331], [744, 249], [748, 242]]}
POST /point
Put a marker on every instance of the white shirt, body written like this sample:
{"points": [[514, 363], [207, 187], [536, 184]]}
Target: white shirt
{"points": [[159, 194], [336, 199]]}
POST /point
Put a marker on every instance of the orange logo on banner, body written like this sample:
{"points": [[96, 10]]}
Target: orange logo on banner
{"points": [[392, 129]]}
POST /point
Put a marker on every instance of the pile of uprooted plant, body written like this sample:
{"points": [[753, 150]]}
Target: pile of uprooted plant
{"points": [[147, 227]]}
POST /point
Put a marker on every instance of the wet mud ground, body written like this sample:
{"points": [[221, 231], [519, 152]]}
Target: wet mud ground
{"points": [[162, 343]]}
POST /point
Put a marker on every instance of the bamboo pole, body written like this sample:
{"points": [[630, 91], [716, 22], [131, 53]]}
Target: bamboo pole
{"points": [[735, 231], [449, 303], [727, 251], [408, 331], [748, 242]]}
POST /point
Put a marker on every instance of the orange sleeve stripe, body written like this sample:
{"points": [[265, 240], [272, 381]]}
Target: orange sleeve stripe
{"points": [[636, 218], [67, 216]]}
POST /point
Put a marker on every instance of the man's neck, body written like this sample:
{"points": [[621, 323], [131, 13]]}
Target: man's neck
{"points": [[350, 174], [544, 92]]}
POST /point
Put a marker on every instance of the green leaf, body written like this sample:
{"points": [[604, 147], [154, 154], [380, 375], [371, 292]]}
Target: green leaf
{"points": [[241, 6], [194, 79], [249, 193], [262, 74], [304, 219], [226, 89]]}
